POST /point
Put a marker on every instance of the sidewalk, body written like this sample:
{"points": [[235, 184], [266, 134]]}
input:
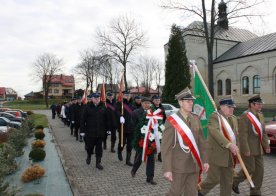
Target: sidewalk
{"points": [[115, 179], [54, 182]]}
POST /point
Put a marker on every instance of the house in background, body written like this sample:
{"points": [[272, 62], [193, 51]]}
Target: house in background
{"points": [[62, 86], [142, 91], [7, 94], [33, 95]]}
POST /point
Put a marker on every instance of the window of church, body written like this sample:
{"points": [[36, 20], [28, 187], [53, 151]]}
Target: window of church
{"points": [[256, 84], [228, 86], [245, 85], [219, 87]]}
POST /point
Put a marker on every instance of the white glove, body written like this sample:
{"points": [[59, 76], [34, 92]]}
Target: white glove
{"points": [[82, 134], [73, 122], [122, 120]]}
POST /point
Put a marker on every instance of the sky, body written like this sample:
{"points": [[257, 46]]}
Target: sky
{"points": [[29, 28]]}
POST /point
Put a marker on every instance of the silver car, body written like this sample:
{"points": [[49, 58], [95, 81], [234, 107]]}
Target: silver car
{"points": [[169, 108]]}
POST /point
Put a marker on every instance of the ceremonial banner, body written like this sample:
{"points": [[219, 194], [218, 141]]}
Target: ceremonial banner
{"points": [[203, 106]]}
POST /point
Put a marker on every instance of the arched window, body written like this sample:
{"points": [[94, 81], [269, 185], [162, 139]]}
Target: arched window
{"points": [[256, 84], [228, 86], [245, 85], [219, 87]]}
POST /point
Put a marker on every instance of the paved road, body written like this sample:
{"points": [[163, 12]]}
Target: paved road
{"points": [[115, 179]]}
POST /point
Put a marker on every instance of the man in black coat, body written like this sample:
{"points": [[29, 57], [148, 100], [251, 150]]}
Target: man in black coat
{"points": [[138, 116], [76, 118], [125, 119], [93, 128], [157, 105], [112, 121], [70, 114], [137, 102]]}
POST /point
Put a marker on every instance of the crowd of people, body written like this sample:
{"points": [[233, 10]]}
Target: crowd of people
{"points": [[142, 125]]}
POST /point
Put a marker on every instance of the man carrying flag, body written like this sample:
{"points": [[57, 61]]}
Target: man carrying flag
{"points": [[183, 148], [222, 127], [253, 144]]}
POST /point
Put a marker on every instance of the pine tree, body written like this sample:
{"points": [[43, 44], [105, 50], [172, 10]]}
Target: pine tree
{"points": [[177, 73]]}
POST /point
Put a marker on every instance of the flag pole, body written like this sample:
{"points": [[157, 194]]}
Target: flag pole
{"points": [[213, 102], [122, 109]]}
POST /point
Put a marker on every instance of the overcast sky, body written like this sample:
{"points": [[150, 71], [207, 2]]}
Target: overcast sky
{"points": [[29, 28]]}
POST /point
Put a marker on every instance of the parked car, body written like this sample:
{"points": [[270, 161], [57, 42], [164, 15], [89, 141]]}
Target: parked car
{"points": [[169, 109], [270, 129], [23, 114], [14, 112], [4, 109], [11, 117], [6, 122]]}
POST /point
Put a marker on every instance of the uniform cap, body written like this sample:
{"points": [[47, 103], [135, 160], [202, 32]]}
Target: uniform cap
{"points": [[227, 101], [185, 95], [96, 95], [126, 92], [109, 94], [137, 97], [146, 99], [155, 97], [255, 99]]}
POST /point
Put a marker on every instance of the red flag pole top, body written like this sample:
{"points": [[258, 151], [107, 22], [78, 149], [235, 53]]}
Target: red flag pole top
{"points": [[103, 99]]}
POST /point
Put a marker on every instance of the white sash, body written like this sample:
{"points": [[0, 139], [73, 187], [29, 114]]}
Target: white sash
{"points": [[227, 127], [256, 123]]}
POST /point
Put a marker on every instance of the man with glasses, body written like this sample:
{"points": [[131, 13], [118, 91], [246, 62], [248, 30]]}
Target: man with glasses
{"points": [[222, 140], [253, 144]]}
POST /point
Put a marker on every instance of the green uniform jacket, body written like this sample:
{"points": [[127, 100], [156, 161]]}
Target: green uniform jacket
{"points": [[249, 141], [217, 152], [174, 159]]}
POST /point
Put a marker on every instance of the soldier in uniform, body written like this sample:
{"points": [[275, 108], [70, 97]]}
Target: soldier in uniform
{"points": [[128, 126], [76, 118], [156, 102], [137, 102], [112, 121], [183, 156], [138, 116], [93, 127], [222, 140], [253, 144]]}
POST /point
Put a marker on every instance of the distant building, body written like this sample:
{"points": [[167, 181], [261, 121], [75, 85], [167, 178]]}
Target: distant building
{"points": [[33, 95], [7, 94], [109, 87], [62, 86], [142, 91]]}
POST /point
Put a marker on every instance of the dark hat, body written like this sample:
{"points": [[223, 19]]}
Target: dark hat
{"points": [[155, 97], [109, 93], [96, 95], [255, 99], [73, 99], [126, 92], [137, 97], [227, 101], [146, 99], [185, 95]]}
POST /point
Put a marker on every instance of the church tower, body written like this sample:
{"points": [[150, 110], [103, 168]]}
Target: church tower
{"points": [[222, 15]]}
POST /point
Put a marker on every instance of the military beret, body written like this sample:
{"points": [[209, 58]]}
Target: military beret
{"points": [[255, 99], [185, 95]]}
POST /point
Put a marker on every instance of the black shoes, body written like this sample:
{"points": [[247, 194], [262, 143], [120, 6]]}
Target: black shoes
{"points": [[129, 163], [88, 160], [151, 182], [199, 194], [120, 156], [112, 150], [99, 166], [132, 174], [235, 189]]}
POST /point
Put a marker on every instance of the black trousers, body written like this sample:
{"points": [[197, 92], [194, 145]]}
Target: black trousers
{"points": [[127, 139], [76, 130], [92, 142], [149, 167], [113, 136], [53, 115]]}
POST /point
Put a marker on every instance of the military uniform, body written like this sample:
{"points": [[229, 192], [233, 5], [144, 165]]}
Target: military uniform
{"points": [[220, 157], [249, 142], [183, 166]]}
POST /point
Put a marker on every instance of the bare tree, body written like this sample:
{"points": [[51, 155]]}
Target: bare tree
{"points": [[45, 67], [122, 38], [89, 67], [159, 73], [237, 9]]}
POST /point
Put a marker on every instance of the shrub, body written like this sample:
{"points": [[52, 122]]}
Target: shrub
{"points": [[5, 188], [26, 128], [17, 139], [30, 112], [38, 144], [39, 134], [39, 127], [32, 173], [3, 136], [37, 154], [7, 159]]}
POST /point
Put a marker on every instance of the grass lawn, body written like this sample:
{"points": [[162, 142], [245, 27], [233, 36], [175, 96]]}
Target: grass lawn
{"points": [[39, 119]]}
